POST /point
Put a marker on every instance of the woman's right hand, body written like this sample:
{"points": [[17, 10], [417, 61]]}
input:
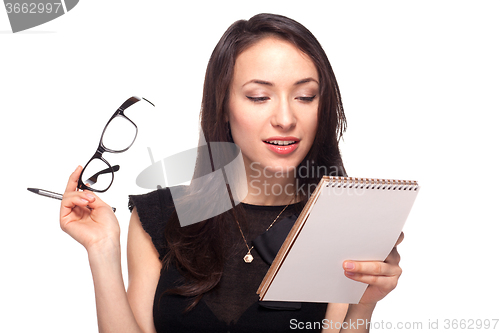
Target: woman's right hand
{"points": [[87, 218]]}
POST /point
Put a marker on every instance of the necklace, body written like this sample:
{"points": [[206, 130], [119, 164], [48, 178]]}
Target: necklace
{"points": [[248, 257]]}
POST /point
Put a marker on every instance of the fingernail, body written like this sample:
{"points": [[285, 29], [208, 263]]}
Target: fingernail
{"points": [[90, 196], [349, 265], [84, 201], [349, 273]]}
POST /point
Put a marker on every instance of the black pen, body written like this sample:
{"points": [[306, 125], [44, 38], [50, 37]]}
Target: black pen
{"points": [[52, 195]]}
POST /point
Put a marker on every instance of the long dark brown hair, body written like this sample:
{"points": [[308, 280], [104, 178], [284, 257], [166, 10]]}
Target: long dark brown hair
{"points": [[198, 250]]}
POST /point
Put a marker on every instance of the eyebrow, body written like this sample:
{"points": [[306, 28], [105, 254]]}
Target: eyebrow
{"points": [[267, 83]]}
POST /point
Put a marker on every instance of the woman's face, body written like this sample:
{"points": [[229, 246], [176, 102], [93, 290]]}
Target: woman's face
{"points": [[273, 105]]}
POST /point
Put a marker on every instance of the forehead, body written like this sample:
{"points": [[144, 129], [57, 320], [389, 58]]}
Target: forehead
{"points": [[275, 60]]}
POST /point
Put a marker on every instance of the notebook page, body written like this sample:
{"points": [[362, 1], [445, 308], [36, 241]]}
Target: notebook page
{"points": [[345, 223]]}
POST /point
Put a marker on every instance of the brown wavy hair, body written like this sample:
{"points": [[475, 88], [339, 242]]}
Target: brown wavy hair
{"points": [[198, 250]]}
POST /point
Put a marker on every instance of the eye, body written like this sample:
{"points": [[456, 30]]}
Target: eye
{"points": [[307, 98], [257, 99]]}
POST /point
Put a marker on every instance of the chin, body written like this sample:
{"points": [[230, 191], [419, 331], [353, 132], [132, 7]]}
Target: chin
{"points": [[279, 171]]}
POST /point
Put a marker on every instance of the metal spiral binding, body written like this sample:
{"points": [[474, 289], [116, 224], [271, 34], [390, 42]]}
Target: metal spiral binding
{"points": [[372, 183]]}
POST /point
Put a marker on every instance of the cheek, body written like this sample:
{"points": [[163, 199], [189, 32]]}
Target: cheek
{"points": [[314, 122], [312, 126], [240, 126], [241, 120]]}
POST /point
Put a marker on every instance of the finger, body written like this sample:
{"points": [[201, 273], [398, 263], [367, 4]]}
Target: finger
{"points": [[378, 268], [95, 202], [73, 199], [85, 197], [73, 180], [393, 258], [400, 238], [385, 283]]}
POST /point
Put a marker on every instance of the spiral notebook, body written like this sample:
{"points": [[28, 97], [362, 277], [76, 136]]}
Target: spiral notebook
{"points": [[344, 219]]}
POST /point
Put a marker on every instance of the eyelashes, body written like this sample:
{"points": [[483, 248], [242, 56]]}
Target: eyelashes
{"points": [[257, 99], [262, 99], [307, 99]]}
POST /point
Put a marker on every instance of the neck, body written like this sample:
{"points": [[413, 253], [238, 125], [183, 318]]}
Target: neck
{"points": [[270, 189]]}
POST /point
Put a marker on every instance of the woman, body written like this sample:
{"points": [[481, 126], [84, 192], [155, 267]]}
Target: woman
{"points": [[270, 89]]}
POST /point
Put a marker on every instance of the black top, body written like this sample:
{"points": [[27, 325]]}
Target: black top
{"points": [[233, 306]]}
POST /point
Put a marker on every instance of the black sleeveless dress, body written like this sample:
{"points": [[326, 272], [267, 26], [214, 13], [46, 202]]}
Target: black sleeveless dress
{"points": [[233, 306]]}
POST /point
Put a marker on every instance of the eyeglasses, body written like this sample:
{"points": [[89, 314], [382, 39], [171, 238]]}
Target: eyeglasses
{"points": [[118, 136]]}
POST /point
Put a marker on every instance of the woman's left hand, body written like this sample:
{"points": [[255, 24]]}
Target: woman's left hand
{"points": [[382, 277]]}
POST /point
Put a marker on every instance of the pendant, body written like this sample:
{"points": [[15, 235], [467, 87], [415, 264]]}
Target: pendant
{"points": [[248, 258]]}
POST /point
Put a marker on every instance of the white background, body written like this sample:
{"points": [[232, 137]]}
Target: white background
{"points": [[419, 82]]}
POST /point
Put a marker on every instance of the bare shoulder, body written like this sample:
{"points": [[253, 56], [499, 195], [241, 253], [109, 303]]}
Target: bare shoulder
{"points": [[144, 269]]}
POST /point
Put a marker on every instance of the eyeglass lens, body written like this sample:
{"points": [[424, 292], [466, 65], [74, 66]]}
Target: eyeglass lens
{"points": [[95, 175], [119, 134]]}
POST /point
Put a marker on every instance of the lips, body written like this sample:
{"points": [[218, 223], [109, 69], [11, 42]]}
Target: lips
{"points": [[282, 145]]}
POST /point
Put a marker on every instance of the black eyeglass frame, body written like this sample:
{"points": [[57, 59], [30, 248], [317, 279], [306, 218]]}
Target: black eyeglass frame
{"points": [[101, 149]]}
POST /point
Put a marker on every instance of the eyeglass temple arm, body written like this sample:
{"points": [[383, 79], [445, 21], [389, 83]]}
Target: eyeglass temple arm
{"points": [[92, 180], [131, 101]]}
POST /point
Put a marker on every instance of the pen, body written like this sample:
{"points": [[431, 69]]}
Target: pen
{"points": [[52, 195]]}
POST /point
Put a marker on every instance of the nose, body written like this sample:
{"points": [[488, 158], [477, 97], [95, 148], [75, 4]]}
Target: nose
{"points": [[283, 115]]}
